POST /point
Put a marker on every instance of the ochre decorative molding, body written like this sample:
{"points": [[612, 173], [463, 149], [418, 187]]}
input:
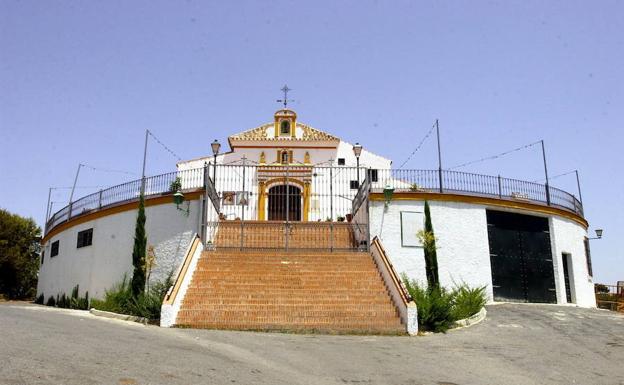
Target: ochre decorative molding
{"points": [[527, 206], [310, 133], [258, 133], [133, 205]]}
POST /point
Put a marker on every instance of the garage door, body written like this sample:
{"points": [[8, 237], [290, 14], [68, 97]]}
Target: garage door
{"points": [[521, 258]]}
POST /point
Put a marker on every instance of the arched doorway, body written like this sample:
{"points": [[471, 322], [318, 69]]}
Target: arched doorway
{"points": [[278, 196]]}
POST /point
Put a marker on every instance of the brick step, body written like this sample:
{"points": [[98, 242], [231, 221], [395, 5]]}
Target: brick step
{"points": [[297, 322], [295, 317], [307, 328], [209, 301], [283, 295], [338, 310]]}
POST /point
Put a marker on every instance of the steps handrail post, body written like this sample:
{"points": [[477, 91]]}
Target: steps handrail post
{"points": [[242, 224], [287, 229]]}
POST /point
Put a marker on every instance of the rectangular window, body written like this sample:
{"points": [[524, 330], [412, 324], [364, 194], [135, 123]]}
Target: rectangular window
{"points": [[42, 256], [85, 238], [54, 250], [374, 175], [588, 257], [341, 161], [355, 185]]}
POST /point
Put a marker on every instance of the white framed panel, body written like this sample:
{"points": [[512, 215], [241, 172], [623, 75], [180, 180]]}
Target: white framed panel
{"points": [[411, 223]]}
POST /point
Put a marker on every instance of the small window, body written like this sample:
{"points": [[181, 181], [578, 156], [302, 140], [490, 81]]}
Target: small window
{"points": [[285, 127], [54, 250], [285, 159], [85, 238], [588, 258], [42, 256], [341, 161], [374, 175], [355, 185]]}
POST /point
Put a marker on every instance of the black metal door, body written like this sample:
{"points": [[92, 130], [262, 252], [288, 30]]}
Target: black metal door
{"points": [[521, 258], [278, 197]]}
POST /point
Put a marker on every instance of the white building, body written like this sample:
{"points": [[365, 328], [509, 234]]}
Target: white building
{"points": [[519, 241]]}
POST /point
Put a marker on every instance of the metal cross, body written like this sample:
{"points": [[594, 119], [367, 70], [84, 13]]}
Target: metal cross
{"points": [[285, 90]]}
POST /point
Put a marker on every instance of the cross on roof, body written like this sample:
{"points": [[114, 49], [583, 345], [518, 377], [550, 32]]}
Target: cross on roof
{"points": [[285, 90]]}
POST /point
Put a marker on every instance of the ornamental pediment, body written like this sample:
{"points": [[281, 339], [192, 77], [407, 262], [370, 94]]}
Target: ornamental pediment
{"points": [[267, 132]]}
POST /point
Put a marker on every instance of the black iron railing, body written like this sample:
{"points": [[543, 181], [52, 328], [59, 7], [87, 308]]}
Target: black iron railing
{"points": [[332, 190]]}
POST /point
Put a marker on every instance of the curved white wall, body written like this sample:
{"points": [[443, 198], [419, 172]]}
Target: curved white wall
{"points": [[99, 266], [463, 247]]}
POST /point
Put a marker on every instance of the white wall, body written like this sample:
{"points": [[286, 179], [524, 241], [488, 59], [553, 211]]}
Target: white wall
{"points": [[567, 237], [99, 266], [463, 246], [462, 241]]}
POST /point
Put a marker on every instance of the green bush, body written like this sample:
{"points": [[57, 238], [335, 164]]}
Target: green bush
{"points": [[468, 301], [40, 300], [121, 300], [439, 308], [51, 301]]}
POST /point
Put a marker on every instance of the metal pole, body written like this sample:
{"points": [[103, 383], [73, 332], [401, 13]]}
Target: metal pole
{"points": [[357, 160], [204, 212], [50, 193], [546, 174], [242, 231], [439, 156], [578, 184], [214, 171], [144, 161], [287, 207], [71, 195], [500, 188], [331, 194], [331, 204]]}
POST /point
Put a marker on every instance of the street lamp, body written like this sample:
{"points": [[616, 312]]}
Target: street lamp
{"points": [[357, 150], [598, 234], [215, 150]]}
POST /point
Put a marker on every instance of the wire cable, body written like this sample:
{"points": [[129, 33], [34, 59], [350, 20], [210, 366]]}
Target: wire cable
{"points": [[555, 177], [495, 156], [418, 147], [164, 146], [107, 170]]}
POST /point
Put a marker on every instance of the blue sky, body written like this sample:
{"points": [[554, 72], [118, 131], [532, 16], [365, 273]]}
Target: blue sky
{"points": [[81, 81]]}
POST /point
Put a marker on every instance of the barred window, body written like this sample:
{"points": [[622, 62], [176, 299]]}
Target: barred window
{"points": [[588, 257], [354, 185], [54, 250], [85, 238], [374, 175], [341, 161]]}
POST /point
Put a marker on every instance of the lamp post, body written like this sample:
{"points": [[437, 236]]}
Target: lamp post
{"points": [[215, 150], [598, 234], [357, 150]]}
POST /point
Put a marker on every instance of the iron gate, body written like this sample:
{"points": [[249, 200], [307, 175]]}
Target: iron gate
{"points": [[521, 258]]}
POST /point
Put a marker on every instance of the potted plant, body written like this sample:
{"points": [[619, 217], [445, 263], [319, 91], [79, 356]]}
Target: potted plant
{"points": [[176, 185], [349, 217], [340, 219]]}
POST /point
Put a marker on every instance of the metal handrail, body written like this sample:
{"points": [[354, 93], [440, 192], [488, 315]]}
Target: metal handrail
{"points": [[456, 182]]}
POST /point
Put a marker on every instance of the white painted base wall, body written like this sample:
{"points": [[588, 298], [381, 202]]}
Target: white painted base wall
{"points": [[463, 247], [98, 267]]}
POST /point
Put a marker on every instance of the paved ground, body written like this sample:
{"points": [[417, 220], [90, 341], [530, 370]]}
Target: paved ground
{"points": [[516, 344]]}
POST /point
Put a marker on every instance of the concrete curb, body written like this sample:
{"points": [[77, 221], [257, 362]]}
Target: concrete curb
{"points": [[472, 320], [122, 317]]}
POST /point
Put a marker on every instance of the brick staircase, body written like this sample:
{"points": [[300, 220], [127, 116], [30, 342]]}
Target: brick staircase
{"points": [[333, 292]]}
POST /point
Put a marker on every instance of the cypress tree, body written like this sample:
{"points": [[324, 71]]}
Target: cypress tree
{"points": [[138, 252], [431, 257]]}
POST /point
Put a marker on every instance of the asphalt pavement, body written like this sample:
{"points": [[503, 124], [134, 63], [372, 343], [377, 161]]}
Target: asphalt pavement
{"points": [[515, 344]]}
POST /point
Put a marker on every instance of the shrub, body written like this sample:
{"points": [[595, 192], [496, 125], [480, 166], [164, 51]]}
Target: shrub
{"points": [[439, 308], [468, 301], [51, 301], [121, 300], [435, 306], [40, 300]]}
